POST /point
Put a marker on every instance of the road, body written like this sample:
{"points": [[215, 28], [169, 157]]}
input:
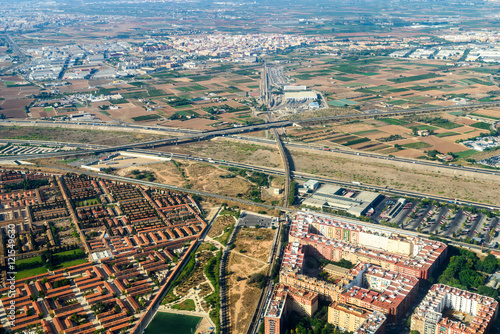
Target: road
{"points": [[238, 200], [373, 156], [275, 171], [15, 48]]}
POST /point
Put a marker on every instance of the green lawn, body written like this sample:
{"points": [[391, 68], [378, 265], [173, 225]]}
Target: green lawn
{"points": [[30, 260], [90, 201], [417, 146], [71, 263], [70, 252], [186, 305], [30, 272]]}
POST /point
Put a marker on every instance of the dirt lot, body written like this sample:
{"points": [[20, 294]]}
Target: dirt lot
{"points": [[73, 135], [219, 225], [231, 150], [199, 176], [243, 297]]}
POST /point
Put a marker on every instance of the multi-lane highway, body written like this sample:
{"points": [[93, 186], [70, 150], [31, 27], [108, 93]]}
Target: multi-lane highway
{"points": [[275, 171], [371, 155]]}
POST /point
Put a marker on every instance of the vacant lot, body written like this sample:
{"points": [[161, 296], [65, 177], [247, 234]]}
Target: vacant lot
{"points": [[199, 176], [243, 296], [73, 135], [231, 150], [220, 224], [415, 177]]}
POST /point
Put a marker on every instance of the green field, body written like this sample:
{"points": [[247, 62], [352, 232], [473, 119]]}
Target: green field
{"points": [[417, 145], [200, 78], [71, 252], [415, 78], [136, 95], [485, 116], [366, 131], [191, 88], [397, 102], [351, 69], [341, 103], [447, 134], [170, 323], [356, 141], [146, 117], [186, 305], [341, 78], [71, 263], [465, 154], [393, 121], [456, 113], [425, 127], [481, 125], [90, 201], [118, 101], [30, 272]]}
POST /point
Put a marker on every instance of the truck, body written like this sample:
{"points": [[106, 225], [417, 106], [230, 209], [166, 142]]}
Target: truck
{"points": [[356, 183]]}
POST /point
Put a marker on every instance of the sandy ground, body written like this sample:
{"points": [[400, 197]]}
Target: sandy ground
{"points": [[124, 162], [198, 176], [415, 177], [243, 297], [222, 148], [218, 226]]}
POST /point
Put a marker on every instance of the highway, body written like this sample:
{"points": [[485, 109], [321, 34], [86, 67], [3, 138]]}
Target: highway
{"points": [[238, 200], [372, 155], [15, 48], [275, 171]]}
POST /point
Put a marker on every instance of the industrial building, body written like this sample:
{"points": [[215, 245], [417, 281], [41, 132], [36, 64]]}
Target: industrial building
{"points": [[356, 203], [301, 96], [294, 88], [311, 184], [448, 310]]}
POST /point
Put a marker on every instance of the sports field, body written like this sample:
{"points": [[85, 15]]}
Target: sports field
{"points": [[171, 323]]}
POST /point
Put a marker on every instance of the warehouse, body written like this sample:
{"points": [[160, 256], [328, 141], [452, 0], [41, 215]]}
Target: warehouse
{"points": [[333, 197], [300, 96]]}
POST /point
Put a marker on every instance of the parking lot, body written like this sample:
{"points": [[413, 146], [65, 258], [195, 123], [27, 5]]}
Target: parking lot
{"points": [[257, 220], [441, 220]]}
